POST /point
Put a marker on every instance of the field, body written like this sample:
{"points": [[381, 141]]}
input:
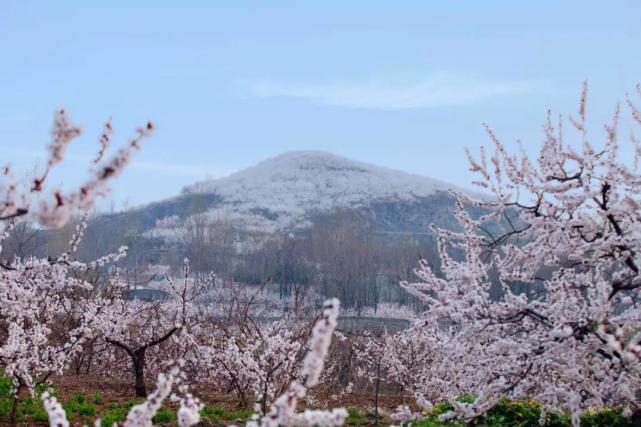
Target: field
{"points": [[86, 398]]}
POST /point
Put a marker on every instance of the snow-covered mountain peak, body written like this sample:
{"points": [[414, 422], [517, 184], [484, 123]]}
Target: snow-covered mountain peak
{"points": [[309, 160], [282, 191], [328, 173]]}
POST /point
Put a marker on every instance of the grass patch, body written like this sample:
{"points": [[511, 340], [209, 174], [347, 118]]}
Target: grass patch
{"points": [[164, 416], [79, 406], [5, 387], [30, 409], [356, 418], [213, 413], [527, 413], [133, 402], [113, 415]]}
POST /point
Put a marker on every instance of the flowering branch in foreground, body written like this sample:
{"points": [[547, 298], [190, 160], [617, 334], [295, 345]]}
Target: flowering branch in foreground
{"points": [[38, 295], [283, 411]]}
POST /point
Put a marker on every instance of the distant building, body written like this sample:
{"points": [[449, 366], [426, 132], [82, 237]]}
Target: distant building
{"points": [[145, 294]]}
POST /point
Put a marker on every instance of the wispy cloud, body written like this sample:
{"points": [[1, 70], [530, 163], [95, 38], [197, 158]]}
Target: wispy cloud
{"points": [[434, 91]]}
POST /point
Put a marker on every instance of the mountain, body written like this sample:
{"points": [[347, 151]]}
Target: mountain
{"points": [[287, 191], [290, 192]]}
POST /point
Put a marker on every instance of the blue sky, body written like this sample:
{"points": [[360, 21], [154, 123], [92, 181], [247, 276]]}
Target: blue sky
{"points": [[401, 84]]}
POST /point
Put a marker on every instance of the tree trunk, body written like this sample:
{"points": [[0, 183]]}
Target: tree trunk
{"points": [[139, 372], [263, 404], [378, 389], [77, 365], [14, 406]]}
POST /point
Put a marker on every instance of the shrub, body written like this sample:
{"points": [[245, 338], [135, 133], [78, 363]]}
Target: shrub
{"points": [[520, 413], [97, 398], [113, 415]]}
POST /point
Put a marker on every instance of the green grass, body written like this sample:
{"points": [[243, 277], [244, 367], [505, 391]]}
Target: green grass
{"points": [[113, 414], [524, 414], [355, 418], [164, 416], [5, 387], [78, 406], [31, 409], [133, 402], [213, 413]]}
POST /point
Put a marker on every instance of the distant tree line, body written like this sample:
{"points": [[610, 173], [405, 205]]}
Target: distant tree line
{"points": [[340, 255]]}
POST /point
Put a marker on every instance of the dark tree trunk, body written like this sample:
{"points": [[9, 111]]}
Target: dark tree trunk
{"points": [[378, 389], [13, 418], [139, 372], [138, 359], [77, 366]]}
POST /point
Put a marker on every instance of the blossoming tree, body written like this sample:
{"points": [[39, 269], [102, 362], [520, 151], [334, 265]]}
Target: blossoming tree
{"points": [[35, 294], [572, 235]]}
